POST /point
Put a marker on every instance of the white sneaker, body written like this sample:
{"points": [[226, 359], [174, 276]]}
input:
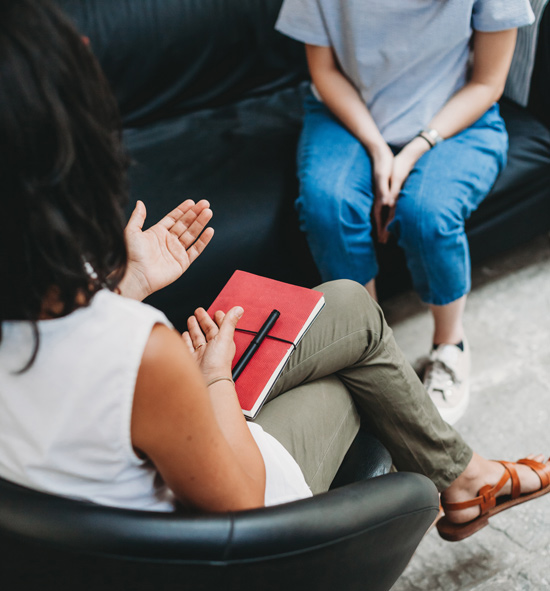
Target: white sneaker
{"points": [[446, 379]]}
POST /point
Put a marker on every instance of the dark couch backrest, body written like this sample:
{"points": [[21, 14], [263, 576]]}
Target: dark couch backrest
{"points": [[165, 57]]}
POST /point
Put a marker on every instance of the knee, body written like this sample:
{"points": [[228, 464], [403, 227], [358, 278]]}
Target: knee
{"points": [[318, 200], [419, 228], [344, 297], [344, 292]]}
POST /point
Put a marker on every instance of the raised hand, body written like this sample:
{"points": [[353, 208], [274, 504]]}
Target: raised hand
{"points": [[161, 254]]}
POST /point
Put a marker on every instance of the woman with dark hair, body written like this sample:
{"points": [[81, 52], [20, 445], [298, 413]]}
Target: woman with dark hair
{"points": [[100, 399]]}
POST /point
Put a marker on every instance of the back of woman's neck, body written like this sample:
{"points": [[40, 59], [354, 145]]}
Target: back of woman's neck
{"points": [[53, 306]]}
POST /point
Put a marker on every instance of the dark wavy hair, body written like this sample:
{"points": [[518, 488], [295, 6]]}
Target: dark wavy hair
{"points": [[62, 167]]}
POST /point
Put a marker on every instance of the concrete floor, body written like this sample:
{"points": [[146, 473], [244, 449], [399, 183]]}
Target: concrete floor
{"points": [[508, 326]]}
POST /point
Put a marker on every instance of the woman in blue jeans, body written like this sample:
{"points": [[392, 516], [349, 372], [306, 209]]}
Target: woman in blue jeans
{"points": [[402, 125]]}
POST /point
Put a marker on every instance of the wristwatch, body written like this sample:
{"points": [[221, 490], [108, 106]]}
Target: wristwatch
{"points": [[431, 136]]}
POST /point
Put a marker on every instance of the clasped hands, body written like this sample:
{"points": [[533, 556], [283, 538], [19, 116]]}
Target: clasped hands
{"points": [[389, 175]]}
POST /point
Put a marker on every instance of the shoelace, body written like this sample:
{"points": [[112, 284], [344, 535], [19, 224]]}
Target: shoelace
{"points": [[440, 377]]}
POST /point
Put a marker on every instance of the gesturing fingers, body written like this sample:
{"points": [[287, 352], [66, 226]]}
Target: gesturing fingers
{"points": [[218, 317], [188, 342], [196, 335], [207, 325], [229, 323], [190, 224], [195, 250], [170, 219], [137, 219]]}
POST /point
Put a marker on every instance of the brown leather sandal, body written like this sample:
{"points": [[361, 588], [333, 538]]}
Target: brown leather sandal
{"points": [[490, 504]]}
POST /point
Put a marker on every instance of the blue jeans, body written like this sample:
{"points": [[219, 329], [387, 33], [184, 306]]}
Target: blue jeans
{"points": [[446, 185]]}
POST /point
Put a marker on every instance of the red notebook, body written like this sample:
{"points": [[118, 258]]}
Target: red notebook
{"points": [[259, 296]]}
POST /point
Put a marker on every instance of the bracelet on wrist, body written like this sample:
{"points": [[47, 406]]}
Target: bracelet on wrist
{"points": [[431, 135], [428, 141], [219, 380]]}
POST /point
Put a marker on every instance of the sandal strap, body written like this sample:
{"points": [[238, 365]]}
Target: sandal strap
{"points": [[516, 485], [541, 470], [486, 498]]}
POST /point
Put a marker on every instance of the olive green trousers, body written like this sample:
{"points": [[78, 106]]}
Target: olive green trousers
{"points": [[348, 369]]}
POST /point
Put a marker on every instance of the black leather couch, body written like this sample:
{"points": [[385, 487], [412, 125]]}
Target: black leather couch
{"points": [[210, 97]]}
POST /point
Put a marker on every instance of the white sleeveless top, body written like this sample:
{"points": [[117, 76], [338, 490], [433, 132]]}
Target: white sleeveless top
{"points": [[65, 422]]}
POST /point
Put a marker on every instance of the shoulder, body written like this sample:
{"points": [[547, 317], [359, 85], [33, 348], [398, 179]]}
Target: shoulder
{"points": [[109, 304], [306, 20], [165, 348], [167, 368], [498, 15], [118, 330]]}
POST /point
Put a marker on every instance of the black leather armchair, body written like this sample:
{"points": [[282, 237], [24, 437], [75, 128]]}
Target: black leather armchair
{"points": [[359, 536]]}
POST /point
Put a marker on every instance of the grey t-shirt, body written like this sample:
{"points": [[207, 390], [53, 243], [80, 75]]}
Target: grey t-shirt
{"points": [[405, 57]]}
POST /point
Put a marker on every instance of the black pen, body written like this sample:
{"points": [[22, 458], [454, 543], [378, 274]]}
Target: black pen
{"points": [[254, 344]]}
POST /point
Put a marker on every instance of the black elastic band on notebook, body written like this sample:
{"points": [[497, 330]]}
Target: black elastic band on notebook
{"points": [[268, 337]]}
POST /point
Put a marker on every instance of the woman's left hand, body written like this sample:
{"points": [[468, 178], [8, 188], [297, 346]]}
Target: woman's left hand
{"points": [[161, 254], [211, 343], [403, 163]]}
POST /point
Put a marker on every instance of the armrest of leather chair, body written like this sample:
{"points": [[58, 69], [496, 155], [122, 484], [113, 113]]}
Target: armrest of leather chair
{"points": [[357, 536]]}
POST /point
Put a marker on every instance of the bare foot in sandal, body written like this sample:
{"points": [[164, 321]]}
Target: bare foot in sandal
{"points": [[487, 487]]}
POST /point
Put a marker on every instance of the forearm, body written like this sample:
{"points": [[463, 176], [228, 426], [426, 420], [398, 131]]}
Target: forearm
{"points": [[465, 108], [492, 57], [343, 100], [233, 425]]}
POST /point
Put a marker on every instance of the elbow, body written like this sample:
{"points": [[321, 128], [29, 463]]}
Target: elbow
{"points": [[245, 502], [317, 80], [253, 501], [254, 495], [490, 90], [487, 91], [249, 494], [497, 91]]}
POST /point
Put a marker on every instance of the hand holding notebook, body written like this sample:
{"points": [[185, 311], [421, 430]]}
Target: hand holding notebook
{"points": [[259, 296]]}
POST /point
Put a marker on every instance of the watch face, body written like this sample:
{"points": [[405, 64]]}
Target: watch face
{"points": [[434, 135]]}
